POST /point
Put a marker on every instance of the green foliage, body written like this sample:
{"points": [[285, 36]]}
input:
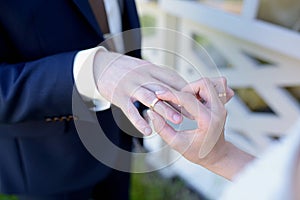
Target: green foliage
{"points": [[253, 101], [151, 186], [8, 197], [201, 40], [148, 21]]}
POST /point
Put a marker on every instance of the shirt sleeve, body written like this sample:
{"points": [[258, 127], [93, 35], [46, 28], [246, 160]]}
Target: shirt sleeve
{"points": [[84, 78]]}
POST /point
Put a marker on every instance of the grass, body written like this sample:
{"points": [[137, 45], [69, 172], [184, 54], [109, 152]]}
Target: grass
{"points": [[151, 186], [7, 197]]}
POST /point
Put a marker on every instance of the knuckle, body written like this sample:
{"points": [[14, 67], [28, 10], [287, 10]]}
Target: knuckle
{"points": [[189, 97], [139, 123], [173, 75], [148, 97], [135, 118], [189, 87], [131, 112], [205, 81], [223, 80]]}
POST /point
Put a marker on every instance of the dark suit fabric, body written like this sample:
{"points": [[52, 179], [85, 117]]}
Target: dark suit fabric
{"points": [[38, 42]]}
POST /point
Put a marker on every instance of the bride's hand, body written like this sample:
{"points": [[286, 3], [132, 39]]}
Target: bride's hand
{"points": [[204, 101]]}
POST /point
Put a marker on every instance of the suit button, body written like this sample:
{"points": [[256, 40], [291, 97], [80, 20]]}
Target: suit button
{"points": [[48, 119], [61, 119]]}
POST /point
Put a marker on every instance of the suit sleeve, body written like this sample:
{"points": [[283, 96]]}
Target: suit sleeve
{"points": [[36, 90]]}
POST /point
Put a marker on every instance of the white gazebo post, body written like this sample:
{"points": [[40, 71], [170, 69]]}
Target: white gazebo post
{"points": [[250, 8], [262, 56]]}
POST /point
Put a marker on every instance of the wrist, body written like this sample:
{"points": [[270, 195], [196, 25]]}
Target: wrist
{"points": [[228, 161], [109, 69], [216, 156], [103, 61]]}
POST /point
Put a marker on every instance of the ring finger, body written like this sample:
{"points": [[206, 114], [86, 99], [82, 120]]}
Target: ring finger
{"points": [[149, 99]]}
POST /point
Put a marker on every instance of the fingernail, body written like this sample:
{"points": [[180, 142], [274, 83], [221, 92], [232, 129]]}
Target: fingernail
{"points": [[147, 131], [176, 117], [150, 114]]}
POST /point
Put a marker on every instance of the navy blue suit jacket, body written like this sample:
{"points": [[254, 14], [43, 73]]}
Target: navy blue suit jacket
{"points": [[38, 42]]}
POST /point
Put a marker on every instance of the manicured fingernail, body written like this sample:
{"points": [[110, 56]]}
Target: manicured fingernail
{"points": [[150, 114], [176, 117], [147, 131]]}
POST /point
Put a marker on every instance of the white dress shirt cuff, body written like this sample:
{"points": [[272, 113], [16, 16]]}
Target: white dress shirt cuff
{"points": [[84, 78]]}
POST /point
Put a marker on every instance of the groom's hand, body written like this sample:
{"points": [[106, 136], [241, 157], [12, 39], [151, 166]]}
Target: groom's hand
{"points": [[122, 80]]}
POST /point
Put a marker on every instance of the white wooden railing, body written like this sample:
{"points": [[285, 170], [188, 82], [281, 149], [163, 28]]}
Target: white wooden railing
{"points": [[258, 56]]}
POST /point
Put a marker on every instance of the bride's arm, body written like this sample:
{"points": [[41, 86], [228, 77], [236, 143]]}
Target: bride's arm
{"points": [[204, 145]]}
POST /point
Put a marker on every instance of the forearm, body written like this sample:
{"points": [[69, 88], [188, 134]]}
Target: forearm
{"points": [[229, 162], [37, 89]]}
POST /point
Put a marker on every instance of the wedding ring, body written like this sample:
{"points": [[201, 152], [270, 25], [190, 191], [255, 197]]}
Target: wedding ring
{"points": [[222, 94], [154, 102]]}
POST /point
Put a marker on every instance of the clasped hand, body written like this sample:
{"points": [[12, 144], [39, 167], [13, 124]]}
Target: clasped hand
{"points": [[204, 100], [123, 80]]}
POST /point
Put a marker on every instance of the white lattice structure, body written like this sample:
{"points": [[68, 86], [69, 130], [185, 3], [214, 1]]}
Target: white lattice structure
{"points": [[260, 56]]}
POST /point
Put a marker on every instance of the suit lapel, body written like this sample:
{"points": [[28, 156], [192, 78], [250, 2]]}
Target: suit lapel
{"points": [[84, 7], [129, 19]]}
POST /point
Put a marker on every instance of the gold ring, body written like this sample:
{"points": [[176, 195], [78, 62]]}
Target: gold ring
{"points": [[153, 103], [222, 94]]}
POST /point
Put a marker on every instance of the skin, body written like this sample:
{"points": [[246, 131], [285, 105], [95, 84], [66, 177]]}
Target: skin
{"points": [[204, 145], [122, 80]]}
